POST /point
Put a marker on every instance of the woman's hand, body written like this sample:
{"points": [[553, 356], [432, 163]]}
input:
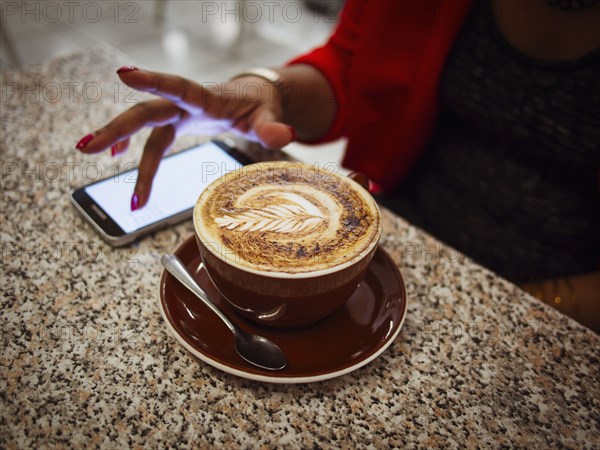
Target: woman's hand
{"points": [[250, 107]]}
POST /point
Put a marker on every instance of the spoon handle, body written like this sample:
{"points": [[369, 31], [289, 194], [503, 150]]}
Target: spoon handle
{"points": [[175, 267]]}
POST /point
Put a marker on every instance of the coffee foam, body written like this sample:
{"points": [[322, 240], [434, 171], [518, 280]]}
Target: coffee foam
{"points": [[286, 218]]}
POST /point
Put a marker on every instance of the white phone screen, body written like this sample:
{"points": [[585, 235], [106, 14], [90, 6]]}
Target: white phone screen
{"points": [[178, 183]]}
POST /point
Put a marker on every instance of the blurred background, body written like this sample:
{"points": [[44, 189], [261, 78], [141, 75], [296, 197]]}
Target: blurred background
{"points": [[205, 40]]}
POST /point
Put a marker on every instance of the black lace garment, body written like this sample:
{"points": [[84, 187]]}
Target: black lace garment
{"points": [[511, 175]]}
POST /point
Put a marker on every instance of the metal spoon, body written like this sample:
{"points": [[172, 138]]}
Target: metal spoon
{"points": [[255, 349]]}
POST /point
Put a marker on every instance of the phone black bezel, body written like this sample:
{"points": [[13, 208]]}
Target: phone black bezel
{"points": [[110, 231]]}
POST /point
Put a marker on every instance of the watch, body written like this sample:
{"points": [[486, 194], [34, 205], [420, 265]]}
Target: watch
{"points": [[261, 72]]}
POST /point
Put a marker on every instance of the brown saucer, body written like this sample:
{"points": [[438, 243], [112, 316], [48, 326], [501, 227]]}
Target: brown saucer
{"points": [[348, 339]]}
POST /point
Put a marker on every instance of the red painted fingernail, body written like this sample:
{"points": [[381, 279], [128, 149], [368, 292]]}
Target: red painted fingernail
{"points": [[84, 141], [127, 69], [113, 150], [293, 131], [135, 200]]}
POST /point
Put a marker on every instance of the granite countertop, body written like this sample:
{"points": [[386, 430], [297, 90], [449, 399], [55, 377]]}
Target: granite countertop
{"points": [[87, 360]]}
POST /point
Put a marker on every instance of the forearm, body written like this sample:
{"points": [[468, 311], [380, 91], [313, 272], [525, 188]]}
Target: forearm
{"points": [[309, 103]]}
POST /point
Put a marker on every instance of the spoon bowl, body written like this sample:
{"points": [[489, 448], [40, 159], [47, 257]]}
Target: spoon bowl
{"points": [[256, 350]]}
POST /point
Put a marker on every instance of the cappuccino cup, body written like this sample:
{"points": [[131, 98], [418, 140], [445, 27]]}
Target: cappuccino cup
{"points": [[286, 243]]}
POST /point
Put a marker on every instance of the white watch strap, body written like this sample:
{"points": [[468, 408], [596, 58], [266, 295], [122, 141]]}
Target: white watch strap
{"points": [[262, 72]]}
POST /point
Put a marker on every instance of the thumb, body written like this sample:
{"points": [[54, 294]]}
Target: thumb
{"points": [[274, 134], [271, 133]]}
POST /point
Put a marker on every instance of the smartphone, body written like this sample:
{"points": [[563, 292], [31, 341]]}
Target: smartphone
{"points": [[180, 179]]}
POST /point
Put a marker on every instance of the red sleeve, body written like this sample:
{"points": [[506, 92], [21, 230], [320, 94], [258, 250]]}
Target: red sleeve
{"points": [[333, 60]]}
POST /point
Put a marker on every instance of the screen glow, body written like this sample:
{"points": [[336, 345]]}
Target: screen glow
{"points": [[178, 183]]}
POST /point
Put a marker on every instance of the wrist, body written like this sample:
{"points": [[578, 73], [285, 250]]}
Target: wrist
{"points": [[265, 73], [269, 83]]}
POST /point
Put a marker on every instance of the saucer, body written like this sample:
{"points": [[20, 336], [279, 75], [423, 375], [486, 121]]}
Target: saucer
{"points": [[351, 337]]}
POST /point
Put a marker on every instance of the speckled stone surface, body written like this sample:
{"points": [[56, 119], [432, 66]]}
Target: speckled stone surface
{"points": [[87, 362]]}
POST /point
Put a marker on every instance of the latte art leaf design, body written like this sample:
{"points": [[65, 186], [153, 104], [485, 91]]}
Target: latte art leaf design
{"points": [[285, 218]]}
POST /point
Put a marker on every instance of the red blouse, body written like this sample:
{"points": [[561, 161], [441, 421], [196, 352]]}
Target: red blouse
{"points": [[384, 63]]}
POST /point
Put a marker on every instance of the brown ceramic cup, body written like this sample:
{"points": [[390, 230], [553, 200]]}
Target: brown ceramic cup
{"points": [[278, 297]]}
